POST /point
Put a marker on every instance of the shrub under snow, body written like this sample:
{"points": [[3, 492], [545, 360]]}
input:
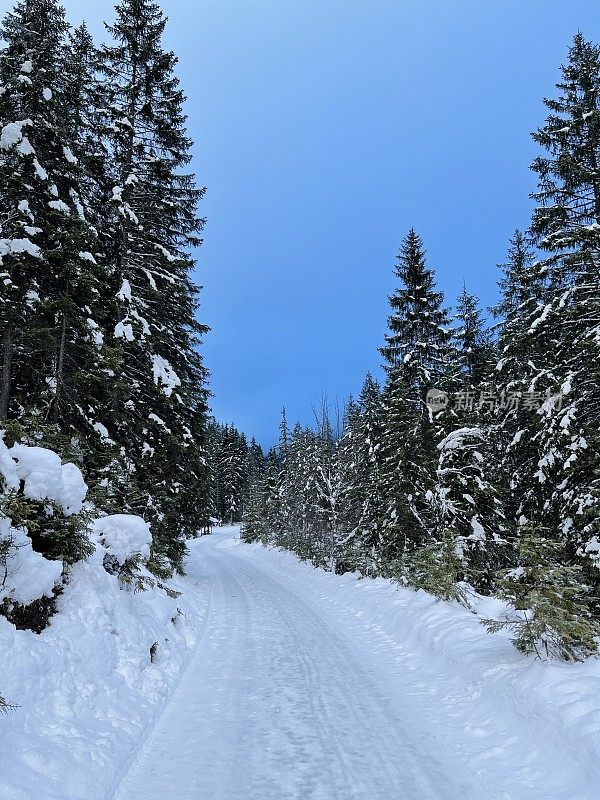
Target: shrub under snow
{"points": [[123, 536]]}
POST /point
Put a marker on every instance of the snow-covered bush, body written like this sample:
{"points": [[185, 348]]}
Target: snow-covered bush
{"points": [[41, 506], [45, 530], [126, 541]]}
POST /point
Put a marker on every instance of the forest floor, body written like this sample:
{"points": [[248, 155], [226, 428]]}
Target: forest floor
{"points": [[310, 686]]}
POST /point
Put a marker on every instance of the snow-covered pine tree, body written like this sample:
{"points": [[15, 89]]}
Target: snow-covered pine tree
{"points": [[417, 353], [549, 345], [160, 425], [566, 225], [551, 599], [325, 464], [273, 516], [360, 455], [55, 360], [232, 470], [472, 342], [254, 525], [417, 341], [520, 357], [468, 542]]}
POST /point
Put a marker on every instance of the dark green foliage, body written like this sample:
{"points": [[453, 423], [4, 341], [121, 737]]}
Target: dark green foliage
{"points": [[34, 616], [550, 592], [98, 310], [54, 534]]}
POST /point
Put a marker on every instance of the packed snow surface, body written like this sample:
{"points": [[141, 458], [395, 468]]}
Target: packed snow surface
{"points": [[307, 685], [303, 685]]}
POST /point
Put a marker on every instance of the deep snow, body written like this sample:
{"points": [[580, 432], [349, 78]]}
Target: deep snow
{"points": [[302, 685]]}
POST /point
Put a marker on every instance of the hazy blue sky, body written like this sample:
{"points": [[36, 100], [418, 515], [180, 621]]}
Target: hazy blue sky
{"points": [[325, 129]]}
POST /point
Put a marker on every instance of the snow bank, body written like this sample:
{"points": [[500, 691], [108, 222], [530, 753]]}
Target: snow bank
{"points": [[527, 729], [88, 687]]}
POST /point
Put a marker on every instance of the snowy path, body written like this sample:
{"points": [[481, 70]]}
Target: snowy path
{"points": [[310, 686], [278, 703]]}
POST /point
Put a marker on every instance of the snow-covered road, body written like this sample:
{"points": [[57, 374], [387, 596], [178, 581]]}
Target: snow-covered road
{"points": [[282, 700], [311, 686]]}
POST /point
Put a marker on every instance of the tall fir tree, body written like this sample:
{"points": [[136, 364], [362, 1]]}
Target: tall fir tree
{"points": [[417, 355], [161, 423], [53, 350]]}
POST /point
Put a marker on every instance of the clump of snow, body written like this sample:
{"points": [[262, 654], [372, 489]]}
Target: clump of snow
{"points": [[47, 94], [59, 205], [124, 536], [96, 333], [11, 134], [159, 421], [164, 373], [39, 170], [124, 292], [123, 330], [8, 246], [46, 478]]}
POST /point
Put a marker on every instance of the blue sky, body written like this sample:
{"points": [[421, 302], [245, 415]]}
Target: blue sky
{"points": [[325, 129]]}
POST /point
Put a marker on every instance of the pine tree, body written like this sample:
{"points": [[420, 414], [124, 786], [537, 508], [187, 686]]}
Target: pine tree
{"points": [[472, 342], [161, 424], [555, 618], [361, 463], [566, 225], [418, 357], [232, 468], [521, 353], [469, 539], [406, 479], [417, 342], [52, 349], [550, 348]]}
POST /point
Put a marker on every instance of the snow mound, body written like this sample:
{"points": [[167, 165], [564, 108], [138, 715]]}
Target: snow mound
{"points": [[27, 575], [123, 536], [8, 468], [89, 685], [46, 478]]}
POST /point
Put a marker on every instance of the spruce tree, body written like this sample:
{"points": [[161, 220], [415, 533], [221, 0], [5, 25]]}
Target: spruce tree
{"points": [[52, 348], [361, 459], [418, 357], [161, 423], [472, 343]]}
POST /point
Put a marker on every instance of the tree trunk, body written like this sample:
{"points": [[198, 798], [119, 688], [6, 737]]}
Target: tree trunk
{"points": [[7, 357], [60, 365]]}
